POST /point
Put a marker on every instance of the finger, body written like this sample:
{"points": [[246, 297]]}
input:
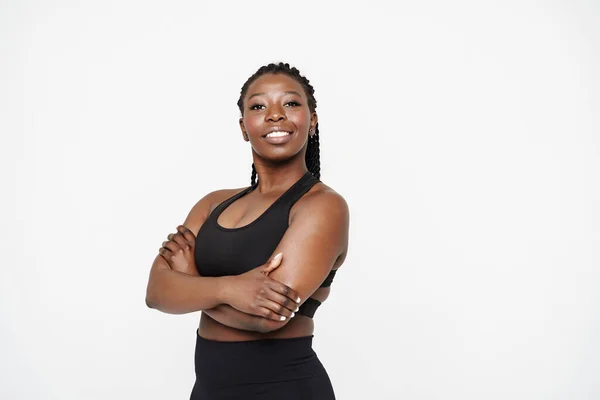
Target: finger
{"points": [[179, 240], [284, 290], [187, 234], [171, 246], [166, 258], [275, 262], [274, 311], [282, 300], [166, 254]]}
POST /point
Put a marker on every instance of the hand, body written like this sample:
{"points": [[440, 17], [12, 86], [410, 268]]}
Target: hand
{"points": [[253, 292], [178, 251]]}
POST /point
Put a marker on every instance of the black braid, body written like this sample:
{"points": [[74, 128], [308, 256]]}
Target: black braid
{"points": [[312, 158]]}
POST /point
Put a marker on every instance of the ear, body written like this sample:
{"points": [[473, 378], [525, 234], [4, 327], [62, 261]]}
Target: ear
{"points": [[314, 119], [243, 128]]}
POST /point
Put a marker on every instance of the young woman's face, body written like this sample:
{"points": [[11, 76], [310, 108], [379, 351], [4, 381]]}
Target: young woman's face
{"points": [[276, 118]]}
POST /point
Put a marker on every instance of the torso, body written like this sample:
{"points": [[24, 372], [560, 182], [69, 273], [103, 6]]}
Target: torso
{"points": [[245, 210]]}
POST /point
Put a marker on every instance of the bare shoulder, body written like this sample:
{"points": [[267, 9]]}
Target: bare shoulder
{"points": [[327, 211], [324, 200], [203, 207]]}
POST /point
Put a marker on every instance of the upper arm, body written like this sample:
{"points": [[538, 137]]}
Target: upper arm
{"points": [[199, 213], [316, 237]]}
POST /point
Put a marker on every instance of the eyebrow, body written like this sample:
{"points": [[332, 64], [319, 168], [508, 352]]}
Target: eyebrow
{"points": [[262, 94]]}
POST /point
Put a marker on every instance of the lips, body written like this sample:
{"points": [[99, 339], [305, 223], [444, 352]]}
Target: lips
{"points": [[279, 139], [277, 129]]}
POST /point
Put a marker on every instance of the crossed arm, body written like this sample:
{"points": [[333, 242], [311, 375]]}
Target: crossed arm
{"points": [[315, 238]]}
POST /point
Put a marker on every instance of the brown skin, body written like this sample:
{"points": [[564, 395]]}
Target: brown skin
{"points": [[316, 240], [254, 293]]}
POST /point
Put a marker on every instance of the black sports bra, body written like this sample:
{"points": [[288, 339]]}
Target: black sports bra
{"points": [[221, 251]]}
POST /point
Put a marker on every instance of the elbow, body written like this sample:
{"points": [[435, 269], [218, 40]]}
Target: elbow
{"points": [[152, 298], [160, 305], [163, 304], [156, 292], [150, 303]]}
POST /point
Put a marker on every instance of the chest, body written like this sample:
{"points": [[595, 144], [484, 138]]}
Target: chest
{"points": [[219, 251]]}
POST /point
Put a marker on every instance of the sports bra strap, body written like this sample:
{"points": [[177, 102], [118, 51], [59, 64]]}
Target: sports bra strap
{"points": [[329, 279], [307, 181], [309, 307]]}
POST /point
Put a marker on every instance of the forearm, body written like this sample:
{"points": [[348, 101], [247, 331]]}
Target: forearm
{"points": [[229, 316], [174, 292]]}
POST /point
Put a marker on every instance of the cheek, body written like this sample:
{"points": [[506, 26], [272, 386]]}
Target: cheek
{"points": [[300, 118], [252, 124]]}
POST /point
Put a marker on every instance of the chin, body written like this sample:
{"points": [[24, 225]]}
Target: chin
{"points": [[283, 153]]}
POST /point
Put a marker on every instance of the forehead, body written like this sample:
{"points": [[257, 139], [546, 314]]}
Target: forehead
{"points": [[273, 83]]}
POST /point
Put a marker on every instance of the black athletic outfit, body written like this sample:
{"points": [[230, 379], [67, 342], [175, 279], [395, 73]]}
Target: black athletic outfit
{"points": [[263, 369]]}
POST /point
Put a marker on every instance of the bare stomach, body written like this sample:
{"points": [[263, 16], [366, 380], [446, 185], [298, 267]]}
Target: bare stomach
{"points": [[298, 326]]}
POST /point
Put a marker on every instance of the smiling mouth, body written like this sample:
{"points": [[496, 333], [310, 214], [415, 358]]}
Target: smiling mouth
{"points": [[277, 134]]}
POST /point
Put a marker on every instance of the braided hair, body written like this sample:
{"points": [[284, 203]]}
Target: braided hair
{"points": [[312, 158]]}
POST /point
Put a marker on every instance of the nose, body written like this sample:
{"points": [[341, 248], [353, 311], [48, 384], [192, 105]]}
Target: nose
{"points": [[275, 114]]}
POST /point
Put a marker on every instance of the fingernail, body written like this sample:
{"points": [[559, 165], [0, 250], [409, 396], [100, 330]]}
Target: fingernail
{"points": [[282, 318], [298, 300], [297, 309], [277, 256], [293, 315]]}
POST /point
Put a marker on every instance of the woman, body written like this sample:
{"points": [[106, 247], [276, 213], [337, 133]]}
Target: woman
{"points": [[258, 261]]}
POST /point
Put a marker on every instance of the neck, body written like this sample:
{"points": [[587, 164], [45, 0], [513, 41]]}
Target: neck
{"points": [[275, 178]]}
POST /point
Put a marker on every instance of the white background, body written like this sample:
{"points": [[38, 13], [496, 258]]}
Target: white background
{"points": [[464, 135]]}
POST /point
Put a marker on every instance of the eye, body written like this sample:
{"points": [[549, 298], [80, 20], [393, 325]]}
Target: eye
{"points": [[254, 106], [293, 103]]}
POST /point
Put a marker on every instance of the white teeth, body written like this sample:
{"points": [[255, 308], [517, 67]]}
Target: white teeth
{"points": [[278, 134]]}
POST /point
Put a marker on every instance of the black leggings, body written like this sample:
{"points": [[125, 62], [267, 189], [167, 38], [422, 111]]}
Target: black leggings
{"points": [[277, 369]]}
